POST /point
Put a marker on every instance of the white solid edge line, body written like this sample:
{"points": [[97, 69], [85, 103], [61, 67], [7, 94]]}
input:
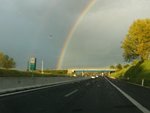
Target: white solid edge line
{"points": [[29, 90], [137, 104], [71, 93], [139, 85]]}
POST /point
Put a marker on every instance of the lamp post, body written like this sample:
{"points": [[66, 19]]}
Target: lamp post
{"points": [[42, 67]]}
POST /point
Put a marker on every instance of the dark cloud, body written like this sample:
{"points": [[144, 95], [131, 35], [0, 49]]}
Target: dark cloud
{"points": [[97, 39], [25, 27]]}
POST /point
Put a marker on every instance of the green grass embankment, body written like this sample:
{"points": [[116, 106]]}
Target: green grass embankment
{"points": [[119, 73], [16, 73], [135, 73], [138, 72]]}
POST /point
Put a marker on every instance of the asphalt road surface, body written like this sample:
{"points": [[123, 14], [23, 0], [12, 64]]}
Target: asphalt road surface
{"points": [[89, 96]]}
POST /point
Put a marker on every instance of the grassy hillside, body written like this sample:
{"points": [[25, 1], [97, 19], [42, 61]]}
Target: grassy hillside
{"points": [[119, 73], [135, 73], [140, 70]]}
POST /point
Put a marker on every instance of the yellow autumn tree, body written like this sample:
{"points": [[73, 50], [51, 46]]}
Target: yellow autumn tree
{"points": [[137, 41]]}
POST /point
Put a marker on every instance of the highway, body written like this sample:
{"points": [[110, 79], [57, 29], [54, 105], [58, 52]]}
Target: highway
{"points": [[99, 95]]}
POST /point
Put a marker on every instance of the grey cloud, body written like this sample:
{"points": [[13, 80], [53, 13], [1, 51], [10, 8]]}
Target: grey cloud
{"points": [[25, 27], [98, 38]]}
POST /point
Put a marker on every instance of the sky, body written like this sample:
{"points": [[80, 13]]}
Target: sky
{"points": [[39, 28]]}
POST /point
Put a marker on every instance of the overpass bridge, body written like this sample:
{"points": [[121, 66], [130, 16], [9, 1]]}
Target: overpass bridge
{"points": [[90, 70]]}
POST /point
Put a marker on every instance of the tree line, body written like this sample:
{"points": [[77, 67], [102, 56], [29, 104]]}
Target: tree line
{"points": [[119, 66], [6, 61]]}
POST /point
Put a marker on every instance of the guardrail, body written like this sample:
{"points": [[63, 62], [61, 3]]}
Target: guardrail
{"points": [[13, 83]]}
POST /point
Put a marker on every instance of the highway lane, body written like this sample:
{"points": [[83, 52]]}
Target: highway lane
{"points": [[89, 96], [101, 97], [139, 93]]}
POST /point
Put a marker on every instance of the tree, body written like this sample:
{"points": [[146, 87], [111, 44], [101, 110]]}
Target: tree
{"points": [[137, 42], [126, 65], [1, 59], [6, 61], [112, 67], [119, 66]]}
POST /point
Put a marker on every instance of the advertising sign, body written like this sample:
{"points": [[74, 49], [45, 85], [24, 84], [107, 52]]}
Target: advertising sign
{"points": [[32, 64]]}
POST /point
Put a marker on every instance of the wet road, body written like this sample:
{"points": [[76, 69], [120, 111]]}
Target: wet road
{"points": [[89, 96]]}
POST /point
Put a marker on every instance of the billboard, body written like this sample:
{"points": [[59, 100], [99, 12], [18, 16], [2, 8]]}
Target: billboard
{"points": [[32, 64]]}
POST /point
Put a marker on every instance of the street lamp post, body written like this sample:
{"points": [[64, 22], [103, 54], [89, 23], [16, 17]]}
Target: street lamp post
{"points": [[42, 68]]}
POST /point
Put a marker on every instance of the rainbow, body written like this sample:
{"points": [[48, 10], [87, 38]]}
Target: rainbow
{"points": [[72, 30]]}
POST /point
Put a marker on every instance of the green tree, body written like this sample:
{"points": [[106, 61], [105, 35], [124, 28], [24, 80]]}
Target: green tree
{"points": [[112, 67], [1, 59], [137, 42], [119, 66], [126, 65], [6, 61]]}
